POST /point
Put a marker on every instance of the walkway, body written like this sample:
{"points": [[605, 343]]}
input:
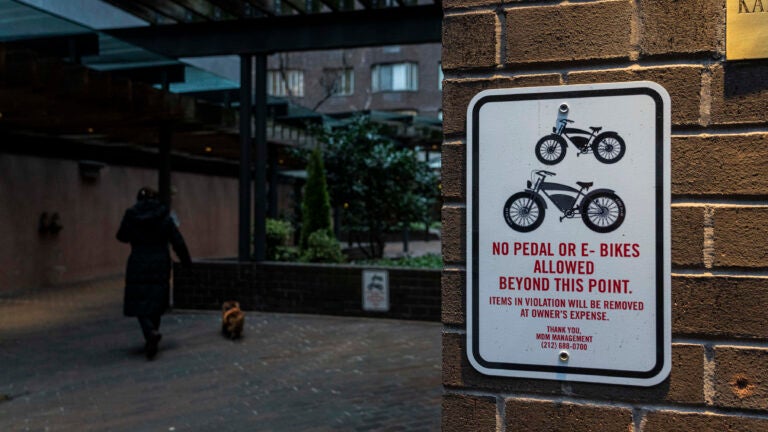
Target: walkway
{"points": [[69, 361]]}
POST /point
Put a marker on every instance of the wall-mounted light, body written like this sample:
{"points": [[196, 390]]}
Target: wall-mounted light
{"points": [[49, 224], [208, 149], [89, 170]]}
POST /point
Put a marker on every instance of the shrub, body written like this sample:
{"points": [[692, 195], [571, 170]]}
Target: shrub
{"points": [[322, 247], [279, 233], [431, 261], [316, 205]]}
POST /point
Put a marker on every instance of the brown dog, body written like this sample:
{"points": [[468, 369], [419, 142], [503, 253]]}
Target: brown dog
{"points": [[232, 319]]}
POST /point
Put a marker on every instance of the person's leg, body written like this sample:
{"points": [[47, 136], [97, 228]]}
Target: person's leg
{"points": [[149, 325], [156, 321]]}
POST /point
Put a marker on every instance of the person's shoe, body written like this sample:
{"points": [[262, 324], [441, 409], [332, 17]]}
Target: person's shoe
{"points": [[150, 349]]}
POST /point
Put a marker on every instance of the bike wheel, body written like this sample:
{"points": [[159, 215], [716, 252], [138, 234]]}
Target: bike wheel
{"points": [[524, 212], [602, 212], [550, 150], [609, 148]]}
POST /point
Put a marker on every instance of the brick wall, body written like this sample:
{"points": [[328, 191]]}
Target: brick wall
{"points": [[719, 378], [303, 288]]}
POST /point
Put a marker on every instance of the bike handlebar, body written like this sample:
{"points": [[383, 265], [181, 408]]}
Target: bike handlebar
{"points": [[567, 121], [544, 172]]}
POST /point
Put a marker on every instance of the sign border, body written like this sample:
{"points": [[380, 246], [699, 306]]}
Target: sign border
{"points": [[662, 365]]}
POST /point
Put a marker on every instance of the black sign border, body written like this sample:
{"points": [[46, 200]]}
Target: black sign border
{"points": [[660, 258]]}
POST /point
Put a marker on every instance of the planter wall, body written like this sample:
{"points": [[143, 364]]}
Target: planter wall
{"points": [[303, 288]]}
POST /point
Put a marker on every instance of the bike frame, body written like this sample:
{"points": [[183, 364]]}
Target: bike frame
{"points": [[566, 132], [543, 187]]}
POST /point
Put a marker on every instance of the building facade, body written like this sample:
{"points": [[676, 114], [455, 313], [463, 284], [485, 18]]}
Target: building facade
{"points": [[402, 78]]}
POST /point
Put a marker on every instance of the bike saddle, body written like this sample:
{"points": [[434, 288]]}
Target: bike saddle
{"points": [[585, 185], [595, 129]]}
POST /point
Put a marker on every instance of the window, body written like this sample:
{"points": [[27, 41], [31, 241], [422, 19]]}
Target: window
{"points": [[285, 82], [395, 77], [339, 82]]}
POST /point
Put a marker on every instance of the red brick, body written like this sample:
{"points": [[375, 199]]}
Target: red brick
{"points": [[453, 172], [720, 165], [453, 234], [458, 93], [453, 287], [459, 373], [455, 4], [675, 421], [683, 83], [568, 32], [687, 236], [681, 27], [469, 41], [464, 413], [740, 237], [739, 93], [741, 377], [684, 385], [524, 415], [716, 306]]}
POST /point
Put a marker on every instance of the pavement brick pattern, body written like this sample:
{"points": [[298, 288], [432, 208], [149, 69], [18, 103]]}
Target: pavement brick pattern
{"points": [[69, 361]]}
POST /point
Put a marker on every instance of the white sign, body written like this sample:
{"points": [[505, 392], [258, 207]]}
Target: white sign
{"points": [[376, 290], [568, 233]]}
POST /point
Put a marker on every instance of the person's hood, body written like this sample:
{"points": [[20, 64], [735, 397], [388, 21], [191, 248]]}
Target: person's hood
{"points": [[149, 210]]}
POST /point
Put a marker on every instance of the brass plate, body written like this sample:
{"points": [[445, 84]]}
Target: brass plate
{"points": [[746, 29]]}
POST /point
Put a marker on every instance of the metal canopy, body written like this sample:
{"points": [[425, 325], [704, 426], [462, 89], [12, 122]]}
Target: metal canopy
{"points": [[391, 26], [165, 31]]}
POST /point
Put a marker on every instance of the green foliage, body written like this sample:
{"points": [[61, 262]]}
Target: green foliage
{"points": [[286, 253], [322, 247], [279, 235], [316, 204], [430, 261], [376, 184]]}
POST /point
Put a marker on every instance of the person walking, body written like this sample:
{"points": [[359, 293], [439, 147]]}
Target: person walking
{"points": [[148, 227]]}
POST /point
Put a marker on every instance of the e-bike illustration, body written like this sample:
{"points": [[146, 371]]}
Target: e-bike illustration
{"points": [[601, 210], [608, 146]]}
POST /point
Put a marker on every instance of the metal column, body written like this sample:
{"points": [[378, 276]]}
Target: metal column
{"points": [[260, 118], [246, 90]]}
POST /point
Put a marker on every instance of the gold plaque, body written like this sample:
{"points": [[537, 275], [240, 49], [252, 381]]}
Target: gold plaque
{"points": [[746, 30]]}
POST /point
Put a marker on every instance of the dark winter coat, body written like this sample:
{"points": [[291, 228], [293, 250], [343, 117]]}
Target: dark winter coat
{"points": [[148, 227]]}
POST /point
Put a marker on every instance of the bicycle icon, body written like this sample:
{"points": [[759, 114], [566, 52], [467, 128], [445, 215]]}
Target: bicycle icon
{"points": [[601, 210], [608, 146]]}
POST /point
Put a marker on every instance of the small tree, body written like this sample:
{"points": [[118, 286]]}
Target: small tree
{"points": [[374, 183], [316, 204]]}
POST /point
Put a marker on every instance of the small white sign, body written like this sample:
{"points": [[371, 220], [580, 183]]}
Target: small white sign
{"points": [[568, 233], [376, 290]]}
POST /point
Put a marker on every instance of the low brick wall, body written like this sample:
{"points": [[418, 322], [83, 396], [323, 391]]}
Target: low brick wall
{"points": [[303, 288]]}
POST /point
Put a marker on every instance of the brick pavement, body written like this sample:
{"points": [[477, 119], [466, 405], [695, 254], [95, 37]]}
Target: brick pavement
{"points": [[71, 362]]}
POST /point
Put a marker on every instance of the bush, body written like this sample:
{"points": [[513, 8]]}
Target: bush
{"points": [[279, 234], [286, 253], [430, 261], [322, 247], [316, 205]]}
